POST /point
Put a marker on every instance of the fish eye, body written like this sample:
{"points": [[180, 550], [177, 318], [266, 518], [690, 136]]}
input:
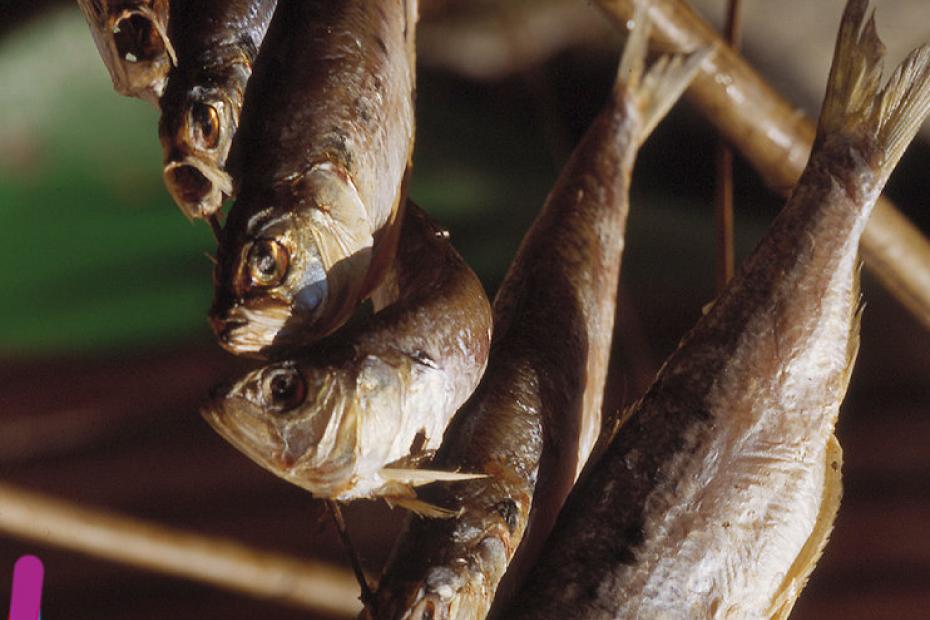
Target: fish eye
{"points": [[267, 263], [284, 389], [206, 123]]}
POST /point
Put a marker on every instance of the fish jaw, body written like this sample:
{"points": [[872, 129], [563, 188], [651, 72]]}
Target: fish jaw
{"points": [[197, 186], [248, 329], [240, 422], [133, 43]]}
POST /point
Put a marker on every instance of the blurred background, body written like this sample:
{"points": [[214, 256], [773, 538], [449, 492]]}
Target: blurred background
{"points": [[105, 352]]}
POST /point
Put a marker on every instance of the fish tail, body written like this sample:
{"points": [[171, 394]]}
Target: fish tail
{"points": [[857, 103], [656, 89]]}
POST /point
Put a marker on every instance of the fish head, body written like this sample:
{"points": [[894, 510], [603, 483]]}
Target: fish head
{"points": [[196, 130], [291, 273], [267, 279], [132, 38], [290, 419]]}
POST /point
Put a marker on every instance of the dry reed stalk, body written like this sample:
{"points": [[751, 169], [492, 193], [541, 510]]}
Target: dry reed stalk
{"points": [[219, 562], [775, 137]]}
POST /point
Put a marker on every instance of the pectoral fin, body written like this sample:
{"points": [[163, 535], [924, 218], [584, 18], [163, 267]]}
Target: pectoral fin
{"points": [[419, 477], [421, 508]]}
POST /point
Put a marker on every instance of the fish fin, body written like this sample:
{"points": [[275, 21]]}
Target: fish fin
{"points": [[421, 508], [419, 477], [656, 89], [857, 102], [855, 324], [800, 570]]}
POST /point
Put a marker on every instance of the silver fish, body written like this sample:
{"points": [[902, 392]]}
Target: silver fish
{"points": [[716, 497], [321, 159], [216, 42]]}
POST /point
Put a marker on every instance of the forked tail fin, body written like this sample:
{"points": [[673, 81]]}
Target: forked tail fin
{"points": [[656, 89], [856, 101]]}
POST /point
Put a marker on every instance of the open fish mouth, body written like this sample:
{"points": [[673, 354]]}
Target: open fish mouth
{"points": [[142, 51], [140, 37], [197, 187], [248, 331]]}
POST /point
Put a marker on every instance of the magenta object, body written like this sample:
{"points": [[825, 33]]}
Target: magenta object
{"points": [[26, 596]]}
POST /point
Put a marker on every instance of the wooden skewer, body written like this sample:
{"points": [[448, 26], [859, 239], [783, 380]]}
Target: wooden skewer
{"points": [[216, 561], [335, 512], [776, 137], [724, 196]]}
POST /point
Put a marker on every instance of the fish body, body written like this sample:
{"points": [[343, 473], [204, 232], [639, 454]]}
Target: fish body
{"points": [[216, 42], [531, 423], [132, 38], [325, 143], [716, 497], [350, 419]]}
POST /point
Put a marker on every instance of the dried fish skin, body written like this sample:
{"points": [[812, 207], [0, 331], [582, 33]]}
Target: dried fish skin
{"points": [[131, 36], [348, 419], [327, 131], [527, 425], [717, 496], [216, 42]]}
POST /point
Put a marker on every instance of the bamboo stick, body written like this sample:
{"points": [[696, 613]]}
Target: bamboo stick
{"points": [[219, 562], [723, 208], [776, 137]]}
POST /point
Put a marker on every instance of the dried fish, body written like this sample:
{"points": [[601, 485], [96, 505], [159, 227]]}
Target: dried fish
{"points": [[216, 43], [322, 156], [532, 421], [352, 418], [131, 36], [716, 497]]}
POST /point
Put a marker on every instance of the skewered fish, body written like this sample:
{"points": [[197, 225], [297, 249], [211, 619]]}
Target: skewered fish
{"points": [[716, 497], [216, 42], [321, 156]]}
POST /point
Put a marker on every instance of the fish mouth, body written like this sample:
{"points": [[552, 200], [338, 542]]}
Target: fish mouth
{"points": [[237, 421], [139, 37], [143, 49], [248, 331], [197, 187], [429, 607]]}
